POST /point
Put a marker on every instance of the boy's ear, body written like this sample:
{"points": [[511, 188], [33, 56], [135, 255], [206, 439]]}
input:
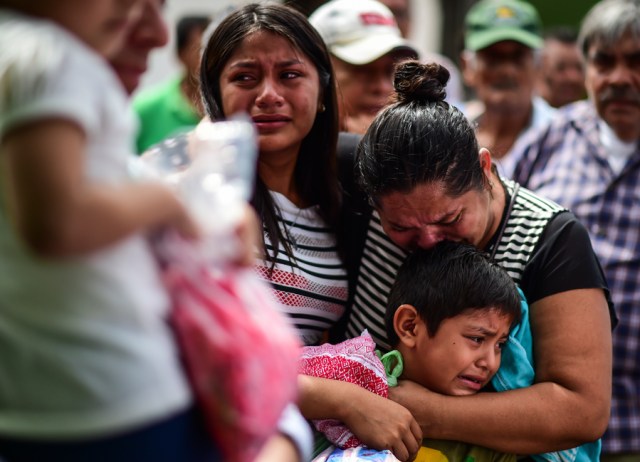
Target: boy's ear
{"points": [[405, 323]]}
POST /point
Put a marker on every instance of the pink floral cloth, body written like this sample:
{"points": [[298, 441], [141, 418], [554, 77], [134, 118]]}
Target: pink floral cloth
{"points": [[353, 361]]}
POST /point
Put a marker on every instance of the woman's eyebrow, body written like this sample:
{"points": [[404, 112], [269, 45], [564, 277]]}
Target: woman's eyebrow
{"points": [[250, 63], [289, 62]]}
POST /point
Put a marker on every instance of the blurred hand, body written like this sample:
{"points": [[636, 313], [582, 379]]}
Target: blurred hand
{"points": [[181, 220], [248, 234], [279, 448]]}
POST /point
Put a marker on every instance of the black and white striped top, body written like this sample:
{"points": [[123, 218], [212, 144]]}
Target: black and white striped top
{"points": [[312, 287], [382, 258]]}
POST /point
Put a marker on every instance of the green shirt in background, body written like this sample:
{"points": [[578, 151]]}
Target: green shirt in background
{"points": [[163, 112]]}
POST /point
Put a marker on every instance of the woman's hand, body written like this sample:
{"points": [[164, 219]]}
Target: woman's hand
{"points": [[376, 421], [383, 424]]}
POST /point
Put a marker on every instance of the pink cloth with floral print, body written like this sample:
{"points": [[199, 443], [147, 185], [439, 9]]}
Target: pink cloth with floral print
{"points": [[353, 361]]}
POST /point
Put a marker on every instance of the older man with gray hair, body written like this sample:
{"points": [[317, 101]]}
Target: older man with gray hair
{"points": [[588, 159]]}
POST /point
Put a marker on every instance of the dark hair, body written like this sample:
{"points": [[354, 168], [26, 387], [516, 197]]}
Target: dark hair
{"points": [[448, 280], [419, 138], [315, 172], [185, 27], [562, 34], [607, 22]]}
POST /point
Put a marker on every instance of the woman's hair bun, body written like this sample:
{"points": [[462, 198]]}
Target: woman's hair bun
{"points": [[415, 81]]}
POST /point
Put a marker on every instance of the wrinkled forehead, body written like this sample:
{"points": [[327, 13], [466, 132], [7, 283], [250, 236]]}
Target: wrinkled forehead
{"points": [[626, 45], [610, 35]]}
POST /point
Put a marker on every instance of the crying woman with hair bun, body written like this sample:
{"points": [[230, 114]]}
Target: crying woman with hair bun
{"points": [[426, 180]]}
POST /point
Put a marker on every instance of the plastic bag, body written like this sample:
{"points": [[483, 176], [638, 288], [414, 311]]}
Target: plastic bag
{"points": [[239, 348], [212, 168]]}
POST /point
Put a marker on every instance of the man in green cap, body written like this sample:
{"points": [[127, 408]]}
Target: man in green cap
{"points": [[500, 62]]}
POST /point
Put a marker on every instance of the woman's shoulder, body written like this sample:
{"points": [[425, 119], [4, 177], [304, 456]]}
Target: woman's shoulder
{"points": [[524, 229], [563, 259], [529, 202]]}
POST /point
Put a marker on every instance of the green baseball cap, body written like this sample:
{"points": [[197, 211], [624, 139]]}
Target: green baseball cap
{"points": [[492, 21]]}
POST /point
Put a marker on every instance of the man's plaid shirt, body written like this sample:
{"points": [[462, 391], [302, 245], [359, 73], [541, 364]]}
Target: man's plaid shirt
{"points": [[566, 163]]}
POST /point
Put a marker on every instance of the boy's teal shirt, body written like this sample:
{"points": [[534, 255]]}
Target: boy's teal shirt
{"points": [[517, 370]]}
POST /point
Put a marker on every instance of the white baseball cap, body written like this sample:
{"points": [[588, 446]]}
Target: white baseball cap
{"points": [[359, 31]]}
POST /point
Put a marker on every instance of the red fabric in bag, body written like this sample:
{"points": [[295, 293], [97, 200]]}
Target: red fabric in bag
{"points": [[240, 352]]}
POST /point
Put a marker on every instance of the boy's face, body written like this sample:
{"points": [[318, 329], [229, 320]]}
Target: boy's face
{"points": [[463, 355]]}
